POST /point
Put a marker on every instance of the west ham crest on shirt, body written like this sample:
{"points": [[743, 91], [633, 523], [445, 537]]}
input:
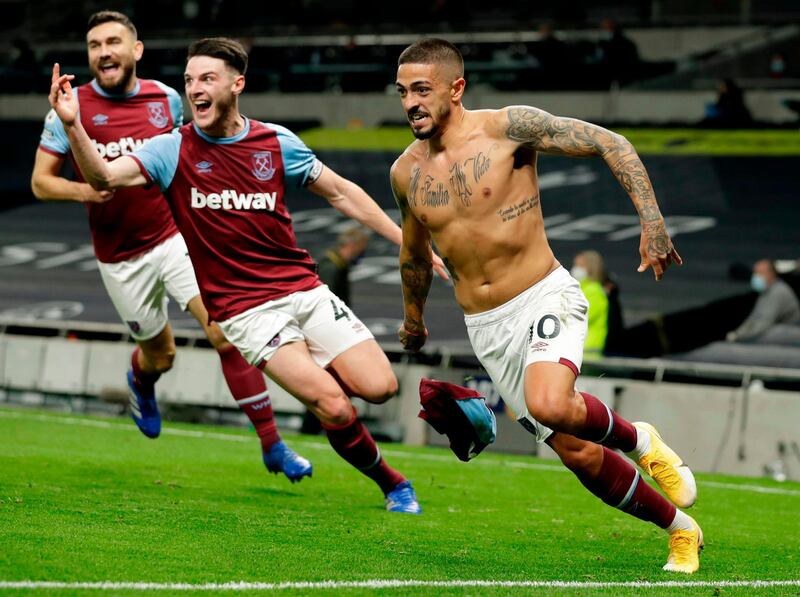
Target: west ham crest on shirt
{"points": [[158, 118], [262, 165]]}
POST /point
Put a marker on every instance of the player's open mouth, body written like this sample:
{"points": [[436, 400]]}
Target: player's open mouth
{"points": [[109, 68], [202, 107], [417, 118]]}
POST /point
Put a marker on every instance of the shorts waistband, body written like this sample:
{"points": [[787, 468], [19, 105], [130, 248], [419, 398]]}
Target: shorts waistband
{"points": [[519, 302]]}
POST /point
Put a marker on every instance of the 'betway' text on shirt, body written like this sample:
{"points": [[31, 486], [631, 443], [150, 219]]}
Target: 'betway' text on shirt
{"points": [[230, 199], [114, 149]]}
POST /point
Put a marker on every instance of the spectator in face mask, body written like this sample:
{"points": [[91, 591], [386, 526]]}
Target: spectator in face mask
{"points": [[776, 304], [587, 268]]}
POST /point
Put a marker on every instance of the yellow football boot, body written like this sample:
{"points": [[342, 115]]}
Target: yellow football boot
{"points": [[684, 550], [667, 469]]}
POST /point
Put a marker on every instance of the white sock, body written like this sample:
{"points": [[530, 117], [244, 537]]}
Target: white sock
{"points": [[680, 522], [642, 444]]}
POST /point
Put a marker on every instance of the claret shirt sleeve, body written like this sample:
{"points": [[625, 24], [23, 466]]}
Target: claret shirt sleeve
{"points": [[300, 164], [158, 158]]}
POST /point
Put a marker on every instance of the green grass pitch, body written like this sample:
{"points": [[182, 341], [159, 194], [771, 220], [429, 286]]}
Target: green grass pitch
{"points": [[91, 500]]}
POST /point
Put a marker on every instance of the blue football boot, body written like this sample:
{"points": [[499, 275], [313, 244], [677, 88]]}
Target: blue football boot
{"points": [[282, 459], [403, 499], [144, 411]]}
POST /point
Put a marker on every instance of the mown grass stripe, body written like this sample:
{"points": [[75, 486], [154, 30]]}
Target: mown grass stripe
{"points": [[395, 584], [232, 437]]}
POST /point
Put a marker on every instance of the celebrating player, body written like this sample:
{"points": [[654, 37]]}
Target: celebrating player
{"points": [[469, 182], [140, 253], [226, 179]]}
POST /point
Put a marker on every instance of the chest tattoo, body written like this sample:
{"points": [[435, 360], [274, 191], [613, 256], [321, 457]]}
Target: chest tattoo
{"points": [[458, 181], [480, 163], [413, 186], [514, 211], [434, 194]]}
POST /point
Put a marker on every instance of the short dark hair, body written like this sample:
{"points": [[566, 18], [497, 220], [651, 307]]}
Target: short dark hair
{"points": [[111, 16], [226, 49], [432, 50]]}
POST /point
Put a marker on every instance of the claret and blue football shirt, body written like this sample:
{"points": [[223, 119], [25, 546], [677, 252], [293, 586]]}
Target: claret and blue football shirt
{"points": [[228, 198], [136, 219]]}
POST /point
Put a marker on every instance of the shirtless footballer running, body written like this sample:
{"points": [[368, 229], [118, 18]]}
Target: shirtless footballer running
{"points": [[469, 183]]}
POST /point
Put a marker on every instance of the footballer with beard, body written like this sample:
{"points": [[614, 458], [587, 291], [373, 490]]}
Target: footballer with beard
{"points": [[469, 183], [140, 254]]}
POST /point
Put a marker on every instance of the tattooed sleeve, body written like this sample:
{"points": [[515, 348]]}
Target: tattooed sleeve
{"points": [[566, 136], [416, 272]]}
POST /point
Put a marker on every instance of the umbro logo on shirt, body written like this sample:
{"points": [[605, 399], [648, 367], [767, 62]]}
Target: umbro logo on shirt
{"points": [[99, 119], [203, 167]]}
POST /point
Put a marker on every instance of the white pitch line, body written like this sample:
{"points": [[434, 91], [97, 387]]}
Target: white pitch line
{"points": [[68, 420], [393, 584], [755, 488]]}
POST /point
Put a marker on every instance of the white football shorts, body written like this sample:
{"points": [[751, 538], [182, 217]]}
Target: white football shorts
{"points": [[316, 316], [139, 287], [546, 322]]}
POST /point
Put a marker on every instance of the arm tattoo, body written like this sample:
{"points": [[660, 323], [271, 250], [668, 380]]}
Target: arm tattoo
{"points": [[544, 132], [658, 242], [525, 125], [631, 174], [458, 181], [401, 201], [416, 275]]}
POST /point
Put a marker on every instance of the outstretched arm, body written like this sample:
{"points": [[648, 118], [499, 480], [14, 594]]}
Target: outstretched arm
{"points": [[566, 136], [415, 269], [351, 200], [122, 172]]}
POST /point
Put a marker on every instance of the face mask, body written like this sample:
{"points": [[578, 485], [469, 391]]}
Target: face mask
{"points": [[758, 283], [578, 272]]}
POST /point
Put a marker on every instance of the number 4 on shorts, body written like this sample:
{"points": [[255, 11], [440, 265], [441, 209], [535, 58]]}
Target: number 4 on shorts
{"points": [[339, 312]]}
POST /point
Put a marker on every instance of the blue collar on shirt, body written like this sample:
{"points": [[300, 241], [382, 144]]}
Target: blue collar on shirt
{"points": [[225, 140], [105, 93]]}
